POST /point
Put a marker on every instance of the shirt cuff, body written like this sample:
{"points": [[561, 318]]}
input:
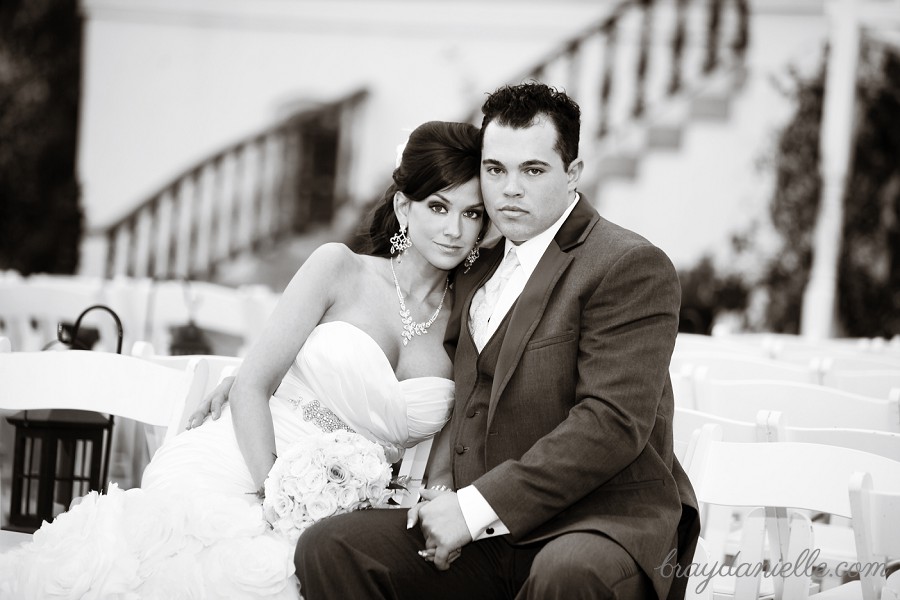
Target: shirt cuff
{"points": [[480, 518]]}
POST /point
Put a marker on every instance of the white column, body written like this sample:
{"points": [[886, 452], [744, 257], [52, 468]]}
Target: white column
{"points": [[819, 299]]}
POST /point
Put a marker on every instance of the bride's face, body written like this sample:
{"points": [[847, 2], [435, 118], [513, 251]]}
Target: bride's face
{"points": [[444, 226]]}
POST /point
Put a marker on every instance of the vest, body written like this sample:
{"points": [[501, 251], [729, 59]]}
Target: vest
{"points": [[474, 376]]}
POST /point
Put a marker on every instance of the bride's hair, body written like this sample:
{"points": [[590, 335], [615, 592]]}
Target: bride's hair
{"points": [[439, 155]]}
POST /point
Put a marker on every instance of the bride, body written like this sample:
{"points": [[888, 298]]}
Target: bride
{"points": [[356, 342]]}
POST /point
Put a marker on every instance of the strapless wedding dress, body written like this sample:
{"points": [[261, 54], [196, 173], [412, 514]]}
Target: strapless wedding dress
{"points": [[195, 529]]}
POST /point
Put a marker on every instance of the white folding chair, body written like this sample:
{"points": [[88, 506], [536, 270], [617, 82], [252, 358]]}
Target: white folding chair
{"points": [[804, 405], [873, 383], [727, 366], [779, 477], [876, 527], [101, 382], [30, 311]]}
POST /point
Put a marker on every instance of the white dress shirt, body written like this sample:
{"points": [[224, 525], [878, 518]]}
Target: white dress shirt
{"points": [[480, 518]]}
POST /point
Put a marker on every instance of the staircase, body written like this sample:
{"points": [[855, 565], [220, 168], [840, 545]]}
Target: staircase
{"points": [[253, 212]]}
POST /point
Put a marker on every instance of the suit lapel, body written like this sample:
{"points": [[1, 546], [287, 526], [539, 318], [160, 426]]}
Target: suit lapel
{"points": [[532, 302]]}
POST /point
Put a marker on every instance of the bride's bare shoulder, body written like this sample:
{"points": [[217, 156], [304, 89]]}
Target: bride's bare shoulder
{"points": [[339, 262]]}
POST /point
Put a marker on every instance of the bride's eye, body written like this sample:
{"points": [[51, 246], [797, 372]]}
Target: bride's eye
{"points": [[473, 214], [437, 208]]}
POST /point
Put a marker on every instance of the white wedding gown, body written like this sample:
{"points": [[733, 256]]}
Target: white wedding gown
{"points": [[195, 528]]}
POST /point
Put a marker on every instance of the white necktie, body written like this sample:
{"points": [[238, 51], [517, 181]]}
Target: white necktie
{"points": [[485, 299]]}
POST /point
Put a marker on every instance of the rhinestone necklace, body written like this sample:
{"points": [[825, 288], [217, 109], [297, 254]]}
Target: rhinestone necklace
{"points": [[410, 327]]}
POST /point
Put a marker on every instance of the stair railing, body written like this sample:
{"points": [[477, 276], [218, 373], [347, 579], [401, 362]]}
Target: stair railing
{"points": [[245, 197], [639, 56]]}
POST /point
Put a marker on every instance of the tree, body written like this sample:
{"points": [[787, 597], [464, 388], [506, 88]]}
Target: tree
{"points": [[40, 87]]}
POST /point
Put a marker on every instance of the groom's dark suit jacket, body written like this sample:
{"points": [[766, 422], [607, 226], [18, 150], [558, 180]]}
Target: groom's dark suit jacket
{"points": [[578, 430]]}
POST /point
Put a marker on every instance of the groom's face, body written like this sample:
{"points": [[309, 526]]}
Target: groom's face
{"points": [[525, 186]]}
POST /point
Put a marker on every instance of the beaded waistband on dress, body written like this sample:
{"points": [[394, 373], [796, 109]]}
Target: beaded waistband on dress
{"points": [[322, 416]]}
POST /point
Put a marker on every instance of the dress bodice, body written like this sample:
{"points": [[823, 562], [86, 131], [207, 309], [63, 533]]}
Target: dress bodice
{"points": [[347, 372]]}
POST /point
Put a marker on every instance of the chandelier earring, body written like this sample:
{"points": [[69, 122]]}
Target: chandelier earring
{"points": [[471, 258], [400, 242]]}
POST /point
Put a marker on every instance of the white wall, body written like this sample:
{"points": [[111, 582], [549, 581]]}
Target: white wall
{"points": [[690, 202], [167, 82]]}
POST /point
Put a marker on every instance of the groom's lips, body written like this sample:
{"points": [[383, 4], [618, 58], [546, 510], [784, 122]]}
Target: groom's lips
{"points": [[512, 211]]}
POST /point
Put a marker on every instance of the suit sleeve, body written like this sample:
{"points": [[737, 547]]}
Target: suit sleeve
{"points": [[627, 333]]}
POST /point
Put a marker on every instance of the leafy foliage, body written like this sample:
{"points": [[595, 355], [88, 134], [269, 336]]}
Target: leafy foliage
{"points": [[40, 74]]}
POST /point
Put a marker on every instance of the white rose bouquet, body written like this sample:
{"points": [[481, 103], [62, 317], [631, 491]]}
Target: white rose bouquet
{"points": [[324, 475]]}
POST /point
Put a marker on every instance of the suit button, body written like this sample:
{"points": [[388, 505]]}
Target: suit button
{"points": [[471, 413], [460, 449]]}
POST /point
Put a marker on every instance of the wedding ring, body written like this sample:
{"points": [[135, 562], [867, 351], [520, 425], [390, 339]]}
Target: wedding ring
{"points": [[439, 488]]}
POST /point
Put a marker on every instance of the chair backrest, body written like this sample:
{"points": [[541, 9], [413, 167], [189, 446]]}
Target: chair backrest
{"points": [[876, 528], [158, 307], [882, 443], [728, 366], [779, 477], [873, 383], [101, 382], [803, 405], [687, 421], [217, 368], [31, 310]]}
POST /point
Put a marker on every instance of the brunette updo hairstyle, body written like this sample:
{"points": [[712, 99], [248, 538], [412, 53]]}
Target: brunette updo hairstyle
{"points": [[439, 155]]}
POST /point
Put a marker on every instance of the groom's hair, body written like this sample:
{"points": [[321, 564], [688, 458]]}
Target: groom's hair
{"points": [[518, 106]]}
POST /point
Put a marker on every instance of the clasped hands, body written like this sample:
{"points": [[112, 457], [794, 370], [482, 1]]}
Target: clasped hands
{"points": [[443, 526]]}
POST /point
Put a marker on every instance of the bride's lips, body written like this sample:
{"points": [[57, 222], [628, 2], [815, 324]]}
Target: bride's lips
{"points": [[449, 249]]}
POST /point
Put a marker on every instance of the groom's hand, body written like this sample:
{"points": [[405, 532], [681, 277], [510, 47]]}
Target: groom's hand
{"points": [[212, 404], [442, 524]]}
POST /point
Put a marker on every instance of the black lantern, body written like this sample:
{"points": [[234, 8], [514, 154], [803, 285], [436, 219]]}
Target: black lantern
{"points": [[59, 454]]}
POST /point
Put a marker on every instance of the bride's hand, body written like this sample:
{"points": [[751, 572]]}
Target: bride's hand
{"points": [[212, 404]]}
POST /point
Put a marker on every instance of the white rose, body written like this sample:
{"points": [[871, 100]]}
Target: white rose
{"points": [[338, 474], [277, 507], [373, 468], [347, 497], [320, 506], [261, 567], [299, 463], [291, 486], [313, 481]]}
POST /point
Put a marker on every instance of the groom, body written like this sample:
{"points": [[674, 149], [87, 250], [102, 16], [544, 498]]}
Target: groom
{"points": [[561, 433]]}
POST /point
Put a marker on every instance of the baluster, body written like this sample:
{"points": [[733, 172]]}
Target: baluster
{"points": [[122, 244], [162, 264], [109, 252], [226, 178], [640, 83], [142, 242], [573, 57], [183, 196], [714, 20], [215, 216], [205, 180], [269, 191], [287, 185], [742, 32], [255, 220], [609, 65], [678, 41], [234, 214]]}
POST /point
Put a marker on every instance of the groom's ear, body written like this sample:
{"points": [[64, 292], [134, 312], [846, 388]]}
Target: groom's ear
{"points": [[573, 173], [401, 208]]}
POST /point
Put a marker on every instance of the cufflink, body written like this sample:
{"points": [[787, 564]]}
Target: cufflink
{"points": [[489, 531]]}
